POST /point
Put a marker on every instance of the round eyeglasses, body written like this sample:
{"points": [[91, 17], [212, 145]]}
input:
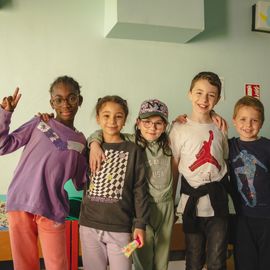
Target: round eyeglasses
{"points": [[156, 125], [72, 99]]}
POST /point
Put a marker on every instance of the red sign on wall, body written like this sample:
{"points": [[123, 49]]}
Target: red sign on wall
{"points": [[253, 90]]}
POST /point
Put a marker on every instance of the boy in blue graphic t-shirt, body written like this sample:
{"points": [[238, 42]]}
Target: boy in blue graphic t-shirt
{"points": [[249, 157]]}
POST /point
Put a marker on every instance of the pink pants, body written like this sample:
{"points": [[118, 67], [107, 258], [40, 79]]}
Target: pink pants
{"points": [[24, 231], [100, 247]]}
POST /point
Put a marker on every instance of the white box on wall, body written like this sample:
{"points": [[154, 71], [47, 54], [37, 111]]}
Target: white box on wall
{"points": [[155, 20], [261, 17]]}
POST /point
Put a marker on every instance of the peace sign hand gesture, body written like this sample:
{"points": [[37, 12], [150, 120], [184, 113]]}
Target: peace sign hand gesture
{"points": [[9, 103]]}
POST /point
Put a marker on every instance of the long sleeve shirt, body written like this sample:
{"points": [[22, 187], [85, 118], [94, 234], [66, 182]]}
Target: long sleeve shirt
{"points": [[250, 175], [52, 154], [116, 197]]}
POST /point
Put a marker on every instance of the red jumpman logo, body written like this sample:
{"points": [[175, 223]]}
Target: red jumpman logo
{"points": [[204, 155]]}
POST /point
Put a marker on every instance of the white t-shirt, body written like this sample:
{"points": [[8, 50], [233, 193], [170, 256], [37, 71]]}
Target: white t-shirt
{"points": [[202, 150]]}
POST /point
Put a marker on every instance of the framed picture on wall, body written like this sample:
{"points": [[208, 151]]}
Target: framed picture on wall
{"points": [[261, 17]]}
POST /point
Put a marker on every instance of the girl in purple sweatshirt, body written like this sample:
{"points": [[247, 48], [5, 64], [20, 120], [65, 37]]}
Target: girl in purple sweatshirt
{"points": [[54, 152]]}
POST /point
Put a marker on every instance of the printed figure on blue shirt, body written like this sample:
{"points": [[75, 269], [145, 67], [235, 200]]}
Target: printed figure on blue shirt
{"points": [[114, 209], [54, 152], [249, 159], [245, 176]]}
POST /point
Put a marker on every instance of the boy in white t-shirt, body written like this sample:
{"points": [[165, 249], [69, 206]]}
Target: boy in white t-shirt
{"points": [[200, 149]]}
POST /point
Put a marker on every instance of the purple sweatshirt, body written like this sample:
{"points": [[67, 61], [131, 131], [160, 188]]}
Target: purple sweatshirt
{"points": [[53, 153]]}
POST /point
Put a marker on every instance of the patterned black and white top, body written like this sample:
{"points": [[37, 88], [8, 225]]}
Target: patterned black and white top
{"points": [[116, 197]]}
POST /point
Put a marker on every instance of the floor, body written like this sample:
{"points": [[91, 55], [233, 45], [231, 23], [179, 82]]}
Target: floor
{"points": [[173, 265], [176, 265]]}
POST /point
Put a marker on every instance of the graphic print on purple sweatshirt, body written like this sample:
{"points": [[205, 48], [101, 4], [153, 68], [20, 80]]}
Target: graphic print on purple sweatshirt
{"points": [[56, 140], [107, 184]]}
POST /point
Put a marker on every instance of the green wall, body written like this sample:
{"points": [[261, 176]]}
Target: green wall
{"points": [[40, 40]]}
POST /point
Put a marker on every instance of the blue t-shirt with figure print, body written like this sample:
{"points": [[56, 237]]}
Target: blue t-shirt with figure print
{"points": [[250, 176]]}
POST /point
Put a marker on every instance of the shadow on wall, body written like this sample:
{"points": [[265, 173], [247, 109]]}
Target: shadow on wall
{"points": [[216, 20], [5, 3]]}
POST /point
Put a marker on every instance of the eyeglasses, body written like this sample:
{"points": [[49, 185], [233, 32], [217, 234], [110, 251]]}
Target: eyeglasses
{"points": [[156, 125], [72, 99]]}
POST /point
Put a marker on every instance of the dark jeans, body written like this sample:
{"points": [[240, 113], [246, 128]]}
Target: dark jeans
{"points": [[208, 246], [252, 246]]}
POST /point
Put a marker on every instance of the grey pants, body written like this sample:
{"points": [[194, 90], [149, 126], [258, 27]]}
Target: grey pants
{"points": [[100, 248]]}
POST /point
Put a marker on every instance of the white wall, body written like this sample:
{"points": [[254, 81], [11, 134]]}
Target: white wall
{"points": [[40, 40]]}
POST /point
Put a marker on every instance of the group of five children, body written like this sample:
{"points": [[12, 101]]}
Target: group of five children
{"points": [[130, 191]]}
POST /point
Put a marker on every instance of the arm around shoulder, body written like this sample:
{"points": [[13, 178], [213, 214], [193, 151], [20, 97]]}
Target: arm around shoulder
{"points": [[96, 136], [141, 199]]}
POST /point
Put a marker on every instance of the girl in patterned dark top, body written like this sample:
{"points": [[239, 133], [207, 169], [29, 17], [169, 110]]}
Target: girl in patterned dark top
{"points": [[115, 201]]}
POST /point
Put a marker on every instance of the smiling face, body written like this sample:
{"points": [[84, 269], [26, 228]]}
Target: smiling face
{"points": [[248, 123], [204, 96], [111, 118], [65, 101], [151, 127]]}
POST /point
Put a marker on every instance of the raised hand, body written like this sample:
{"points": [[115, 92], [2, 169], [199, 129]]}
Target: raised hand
{"points": [[9, 103]]}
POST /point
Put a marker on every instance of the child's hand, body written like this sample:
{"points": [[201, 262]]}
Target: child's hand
{"points": [[96, 157], [219, 122], [45, 116], [139, 233], [181, 119], [9, 103]]}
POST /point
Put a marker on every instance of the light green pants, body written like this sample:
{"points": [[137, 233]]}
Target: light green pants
{"points": [[154, 255]]}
